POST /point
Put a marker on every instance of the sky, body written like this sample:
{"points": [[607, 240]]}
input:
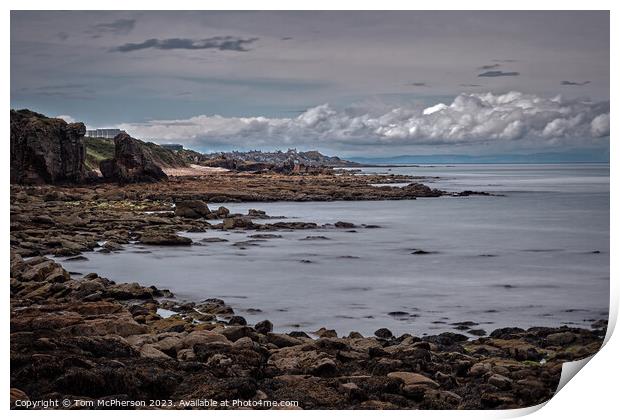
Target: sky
{"points": [[346, 83]]}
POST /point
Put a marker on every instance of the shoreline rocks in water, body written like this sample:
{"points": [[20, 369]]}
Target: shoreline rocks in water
{"points": [[92, 339]]}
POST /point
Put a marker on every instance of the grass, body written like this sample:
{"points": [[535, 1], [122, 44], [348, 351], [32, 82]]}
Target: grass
{"points": [[97, 149]]}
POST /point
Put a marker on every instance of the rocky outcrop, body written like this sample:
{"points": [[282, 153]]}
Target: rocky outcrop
{"points": [[46, 150], [131, 163]]}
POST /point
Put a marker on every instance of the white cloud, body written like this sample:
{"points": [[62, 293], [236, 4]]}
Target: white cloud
{"points": [[67, 118], [600, 126], [471, 118]]}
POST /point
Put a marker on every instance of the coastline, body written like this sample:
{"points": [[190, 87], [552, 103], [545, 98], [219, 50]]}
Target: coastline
{"points": [[68, 334]]}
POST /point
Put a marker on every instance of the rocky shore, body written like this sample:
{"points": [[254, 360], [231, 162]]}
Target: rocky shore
{"points": [[88, 338], [91, 339]]}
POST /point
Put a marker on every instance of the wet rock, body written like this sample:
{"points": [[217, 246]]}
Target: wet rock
{"points": [[237, 320], [325, 333], [315, 238], [257, 214], [507, 333], [298, 334], [192, 209], [264, 327], [222, 212], [237, 223], [421, 252], [209, 240], [164, 238], [215, 307], [112, 246], [344, 225], [282, 340], [384, 333], [500, 381]]}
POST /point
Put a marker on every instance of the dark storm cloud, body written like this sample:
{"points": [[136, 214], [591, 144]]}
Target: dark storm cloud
{"points": [[569, 83], [118, 27], [498, 73], [222, 43], [488, 67]]}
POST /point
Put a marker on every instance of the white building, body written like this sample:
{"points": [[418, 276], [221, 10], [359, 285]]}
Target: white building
{"points": [[106, 133]]}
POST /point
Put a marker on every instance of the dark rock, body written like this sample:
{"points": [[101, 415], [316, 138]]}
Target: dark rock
{"points": [[264, 327], [131, 163], [507, 333], [237, 320], [344, 225], [500, 381], [192, 209], [384, 333], [237, 223], [163, 238], [298, 334], [421, 252], [46, 150], [282, 340]]}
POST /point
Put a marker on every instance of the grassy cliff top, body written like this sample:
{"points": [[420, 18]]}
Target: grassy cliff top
{"points": [[98, 149]]}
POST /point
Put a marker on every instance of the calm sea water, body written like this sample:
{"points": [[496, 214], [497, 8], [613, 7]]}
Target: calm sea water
{"points": [[536, 256]]}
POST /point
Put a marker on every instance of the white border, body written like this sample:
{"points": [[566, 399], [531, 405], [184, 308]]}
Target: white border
{"points": [[592, 395]]}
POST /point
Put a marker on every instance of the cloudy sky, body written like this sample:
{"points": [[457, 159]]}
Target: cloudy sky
{"points": [[350, 83]]}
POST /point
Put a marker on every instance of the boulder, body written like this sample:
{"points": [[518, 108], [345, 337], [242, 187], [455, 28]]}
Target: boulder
{"points": [[561, 338], [384, 333], [264, 327], [192, 209], [237, 223], [150, 351], [131, 163], [237, 320], [164, 238], [46, 150], [500, 381], [282, 340], [410, 378]]}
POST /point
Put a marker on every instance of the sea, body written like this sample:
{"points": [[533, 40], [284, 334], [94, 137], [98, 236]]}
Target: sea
{"points": [[536, 253]]}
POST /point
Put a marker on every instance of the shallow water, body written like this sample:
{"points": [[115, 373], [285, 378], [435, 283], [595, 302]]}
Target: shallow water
{"points": [[523, 259]]}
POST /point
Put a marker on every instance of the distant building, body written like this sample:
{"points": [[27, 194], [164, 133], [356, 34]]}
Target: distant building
{"points": [[175, 147], [106, 133]]}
